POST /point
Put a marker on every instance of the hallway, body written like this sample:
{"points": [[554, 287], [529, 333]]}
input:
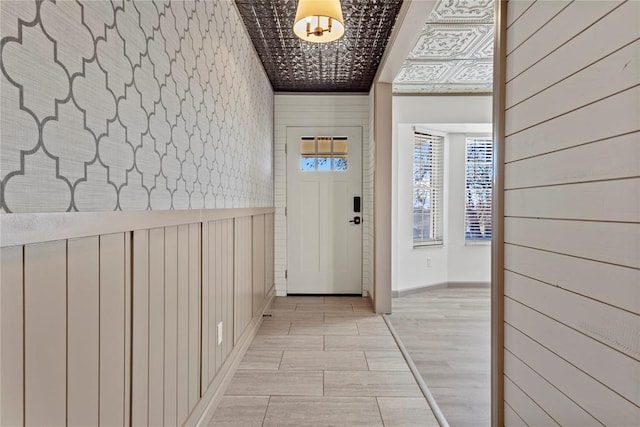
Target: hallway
{"points": [[155, 157], [323, 361]]}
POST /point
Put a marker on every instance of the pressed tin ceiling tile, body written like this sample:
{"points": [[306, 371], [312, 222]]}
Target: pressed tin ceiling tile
{"points": [[454, 51], [346, 65], [463, 11]]}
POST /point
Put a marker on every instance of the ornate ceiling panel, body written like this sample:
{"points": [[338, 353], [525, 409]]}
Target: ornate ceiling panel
{"points": [[454, 52], [448, 41], [463, 11], [346, 65], [417, 73]]}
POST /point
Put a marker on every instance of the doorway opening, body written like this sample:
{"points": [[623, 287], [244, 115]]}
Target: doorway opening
{"points": [[441, 267]]}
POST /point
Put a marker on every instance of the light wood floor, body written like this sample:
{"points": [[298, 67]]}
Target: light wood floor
{"points": [[323, 361], [447, 333]]}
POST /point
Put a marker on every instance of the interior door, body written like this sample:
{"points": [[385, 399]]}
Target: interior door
{"points": [[324, 189]]}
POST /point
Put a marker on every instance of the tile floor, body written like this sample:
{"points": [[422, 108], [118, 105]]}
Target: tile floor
{"points": [[323, 361]]}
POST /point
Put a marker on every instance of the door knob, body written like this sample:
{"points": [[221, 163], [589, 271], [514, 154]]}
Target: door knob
{"points": [[355, 220]]}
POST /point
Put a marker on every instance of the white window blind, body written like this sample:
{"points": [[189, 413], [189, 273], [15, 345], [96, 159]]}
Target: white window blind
{"points": [[428, 165], [478, 183]]}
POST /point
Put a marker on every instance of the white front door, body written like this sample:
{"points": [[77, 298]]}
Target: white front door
{"points": [[324, 238]]}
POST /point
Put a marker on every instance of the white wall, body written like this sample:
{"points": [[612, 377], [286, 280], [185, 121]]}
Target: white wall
{"points": [[317, 110], [454, 261]]}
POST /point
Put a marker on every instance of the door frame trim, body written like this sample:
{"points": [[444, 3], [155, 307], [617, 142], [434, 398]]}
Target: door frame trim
{"points": [[497, 238], [382, 199]]}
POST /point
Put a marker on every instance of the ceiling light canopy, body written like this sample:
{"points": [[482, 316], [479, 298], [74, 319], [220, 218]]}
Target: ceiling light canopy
{"points": [[319, 21]]}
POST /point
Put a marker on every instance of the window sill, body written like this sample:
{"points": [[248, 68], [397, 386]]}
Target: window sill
{"points": [[477, 242], [427, 245]]}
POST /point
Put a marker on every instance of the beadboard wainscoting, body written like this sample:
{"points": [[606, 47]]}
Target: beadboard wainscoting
{"points": [[125, 323]]}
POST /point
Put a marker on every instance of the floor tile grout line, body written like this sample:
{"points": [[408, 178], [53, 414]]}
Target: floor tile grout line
{"points": [[339, 326], [281, 359], [379, 411], [264, 417], [324, 348]]}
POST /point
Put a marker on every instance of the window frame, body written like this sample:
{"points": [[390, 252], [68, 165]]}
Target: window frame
{"points": [[332, 155], [437, 229], [478, 136]]}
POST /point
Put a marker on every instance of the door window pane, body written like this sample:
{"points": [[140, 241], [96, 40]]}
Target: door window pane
{"points": [[324, 153], [324, 164], [340, 145], [308, 146], [307, 163], [324, 145], [340, 164]]}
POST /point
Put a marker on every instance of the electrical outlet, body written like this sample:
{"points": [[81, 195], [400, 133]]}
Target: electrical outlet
{"points": [[428, 262], [219, 333]]}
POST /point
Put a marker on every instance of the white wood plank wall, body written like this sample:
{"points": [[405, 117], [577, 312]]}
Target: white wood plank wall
{"points": [[12, 336], [120, 329], [258, 261], [217, 290], [171, 326], [319, 110], [45, 324], [572, 213], [83, 343], [269, 281], [74, 298], [243, 276]]}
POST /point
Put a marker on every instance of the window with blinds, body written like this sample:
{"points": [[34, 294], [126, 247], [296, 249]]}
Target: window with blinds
{"points": [[478, 184], [428, 177]]}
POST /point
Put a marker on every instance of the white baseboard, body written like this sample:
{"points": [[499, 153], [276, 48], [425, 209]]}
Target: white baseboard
{"points": [[469, 285], [410, 291]]}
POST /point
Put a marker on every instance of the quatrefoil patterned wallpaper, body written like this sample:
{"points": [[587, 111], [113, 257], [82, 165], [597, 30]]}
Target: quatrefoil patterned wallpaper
{"points": [[131, 105]]}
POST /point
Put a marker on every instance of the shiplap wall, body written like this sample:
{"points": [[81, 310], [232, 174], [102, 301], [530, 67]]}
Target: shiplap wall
{"points": [[572, 213], [120, 328], [316, 110]]}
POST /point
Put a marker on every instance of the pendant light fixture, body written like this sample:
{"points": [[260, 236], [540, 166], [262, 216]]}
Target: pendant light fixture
{"points": [[319, 21]]}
